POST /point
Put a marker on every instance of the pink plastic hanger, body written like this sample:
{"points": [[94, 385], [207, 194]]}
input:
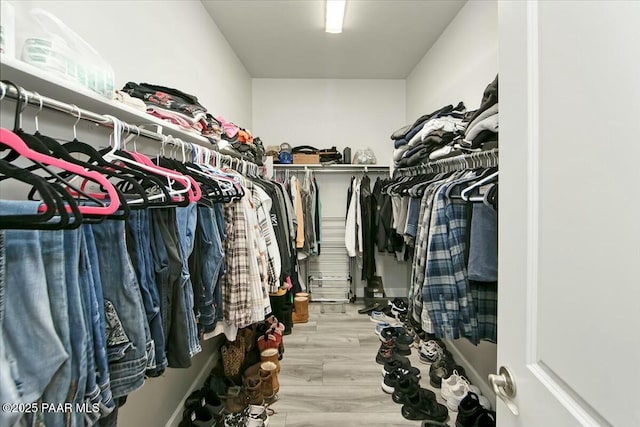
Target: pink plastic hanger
{"points": [[13, 141]]}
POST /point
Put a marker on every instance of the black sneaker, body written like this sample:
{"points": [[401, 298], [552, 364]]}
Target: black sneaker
{"points": [[469, 410], [394, 364], [398, 333], [486, 419], [404, 371], [198, 417], [398, 307], [387, 353], [402, 349], [419, 406], [389, 382], [406, 386]]}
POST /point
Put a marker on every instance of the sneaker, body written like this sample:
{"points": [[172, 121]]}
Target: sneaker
{"points": [[379, 316], [394, 364], [405, 387], [485, 419], [198, 417], [431, 351], [205, 398], [257, 416], [456, 394], [442, 369], [402, 349], [419, 406], [469, 410], [398, 306], [395, 332], [379, 327], [389, 382], [387, 353]]}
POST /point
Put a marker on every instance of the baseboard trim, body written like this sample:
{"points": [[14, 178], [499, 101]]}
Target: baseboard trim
{"points": [[472, 374], [176, 417]]}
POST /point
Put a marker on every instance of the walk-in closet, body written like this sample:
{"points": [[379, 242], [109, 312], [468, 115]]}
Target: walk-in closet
{"points": [[292, 213]]}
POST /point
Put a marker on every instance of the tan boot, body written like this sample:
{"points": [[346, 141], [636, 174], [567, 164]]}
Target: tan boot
{"points": [[267, 383], [270, 367], [253, 390], [301, 306], [271, 355]]}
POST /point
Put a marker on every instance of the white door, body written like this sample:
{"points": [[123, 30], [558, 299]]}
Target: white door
{"points": [[569, 302]]}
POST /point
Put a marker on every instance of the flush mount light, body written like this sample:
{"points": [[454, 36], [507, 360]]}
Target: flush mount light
{"points": [[335, 16]]}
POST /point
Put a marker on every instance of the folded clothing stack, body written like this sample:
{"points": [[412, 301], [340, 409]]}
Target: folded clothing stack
{"points": [[184, 110], [449, 131], [414, 143]]}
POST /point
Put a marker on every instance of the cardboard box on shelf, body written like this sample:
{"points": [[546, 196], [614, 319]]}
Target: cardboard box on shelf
{"points": [[306, 159]]}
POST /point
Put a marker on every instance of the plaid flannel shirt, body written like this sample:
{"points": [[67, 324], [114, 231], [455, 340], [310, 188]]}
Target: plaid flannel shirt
{"points": [[446, 292], [236, 282]]}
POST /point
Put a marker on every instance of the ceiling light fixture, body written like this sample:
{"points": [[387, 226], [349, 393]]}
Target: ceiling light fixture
{"points": [[335, 16]]}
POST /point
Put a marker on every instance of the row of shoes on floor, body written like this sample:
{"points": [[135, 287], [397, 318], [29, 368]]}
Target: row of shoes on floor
{"points": [[398, 334], [239, 390]]}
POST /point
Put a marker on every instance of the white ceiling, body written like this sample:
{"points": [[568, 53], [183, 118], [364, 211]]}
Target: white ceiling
{"points": [[381, 39]]}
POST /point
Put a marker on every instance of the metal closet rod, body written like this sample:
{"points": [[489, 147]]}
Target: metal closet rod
{"points": [[34, 98], [487, 158]]}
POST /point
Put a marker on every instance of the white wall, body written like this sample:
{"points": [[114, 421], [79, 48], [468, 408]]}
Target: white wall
{"points": [[458, 67], [460, 64], [335, 112], [329, 112], [177, 45]]}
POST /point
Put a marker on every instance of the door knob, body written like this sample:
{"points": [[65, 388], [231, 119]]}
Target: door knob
{"points": [[504, 387]]}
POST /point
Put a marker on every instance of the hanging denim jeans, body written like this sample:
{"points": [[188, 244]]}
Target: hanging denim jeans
{"points": [[168, 264], [139, 245], [78, 328], [99, 326], [124, 313], [33, 347], [186, 218], [211, 260], [8, 390], [53, 256]]}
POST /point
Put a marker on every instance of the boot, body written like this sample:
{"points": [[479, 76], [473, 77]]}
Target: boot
{"points": [[271, 355], [301, 313], [253, 390], [271, 368], [267, 383], [252, 370], [233, 354]]}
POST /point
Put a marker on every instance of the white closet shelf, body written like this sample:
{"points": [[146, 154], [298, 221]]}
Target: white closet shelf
{"points": [[330, 167], [52, 86]]}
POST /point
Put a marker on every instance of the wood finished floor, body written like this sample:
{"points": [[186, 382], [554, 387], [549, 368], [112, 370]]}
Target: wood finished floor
{"points": [[329, 376]]}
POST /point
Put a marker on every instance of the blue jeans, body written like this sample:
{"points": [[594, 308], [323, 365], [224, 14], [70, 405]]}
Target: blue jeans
{"points": [[168, 266], [78, 327], [99, 325], [139, 232], [217, 292], [483, 245], [211, 257], [57, 391], [124, 313], [186, 218], [9, 391], [33, 348]]}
